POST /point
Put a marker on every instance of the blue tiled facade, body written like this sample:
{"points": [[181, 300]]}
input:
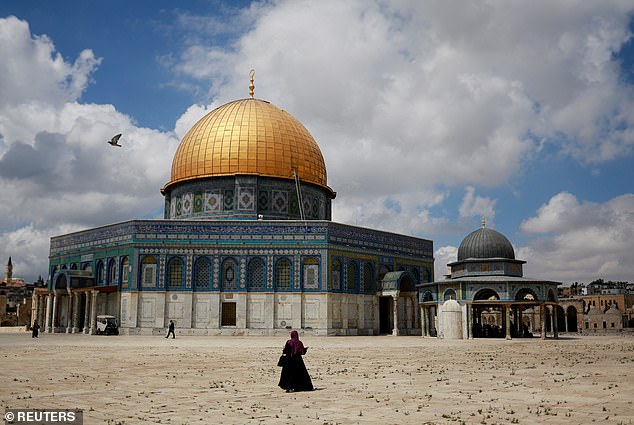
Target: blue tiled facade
{"points": [[204, 246]]}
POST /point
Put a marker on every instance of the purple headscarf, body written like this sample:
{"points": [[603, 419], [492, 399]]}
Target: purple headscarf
{"points": [[296, 345]]}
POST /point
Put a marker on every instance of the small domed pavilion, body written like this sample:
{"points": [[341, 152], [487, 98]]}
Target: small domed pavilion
{"points": [[495, 298]]}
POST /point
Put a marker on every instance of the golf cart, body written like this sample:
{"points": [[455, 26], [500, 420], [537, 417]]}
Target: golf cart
{"points": [[107, 325]]}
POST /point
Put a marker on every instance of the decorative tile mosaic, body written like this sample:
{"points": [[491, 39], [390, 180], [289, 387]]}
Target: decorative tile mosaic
{"points": [[297, 270], [246, 199], [212, 202], [188, 271], [188, 204], [216, 272], [280, 201], [308, 207], [243, 273], [199, 201], [263, 200], [293, 204], [161, 271], [269, 272], [228, 200]]}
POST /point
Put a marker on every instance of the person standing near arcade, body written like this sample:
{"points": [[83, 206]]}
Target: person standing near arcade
{"points": [[35, 330], [170, 330]]}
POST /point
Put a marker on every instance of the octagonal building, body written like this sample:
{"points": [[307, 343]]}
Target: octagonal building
{"points": [[246, 246]]}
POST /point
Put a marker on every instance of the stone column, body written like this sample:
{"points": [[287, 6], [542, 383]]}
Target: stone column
{"points": [[76, 296], [566, 321], [54, 318], [93, 313], [423, 321], [555, 325], [552, 327], [417, 322], [69, 312], [542, 313], [49, 313], [35, 305], [87, 313], [41, 318], [469, 321], [395, 311], [507, 313]]}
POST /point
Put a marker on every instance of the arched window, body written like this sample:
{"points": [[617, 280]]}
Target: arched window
{"points": [[202, 274], [450, 294], [229, 274], [283, 274], [335, 274], [175, 273], [125, 271], [73, 266], [112, 272], [311, 273], [100, 272], [256, 274], [368, 278], [87, 267], [148, 272], [427, 275], [351, 278]]}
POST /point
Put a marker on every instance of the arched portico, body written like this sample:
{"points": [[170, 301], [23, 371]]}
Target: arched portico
{"points": [[398, 291], [74, 302]]}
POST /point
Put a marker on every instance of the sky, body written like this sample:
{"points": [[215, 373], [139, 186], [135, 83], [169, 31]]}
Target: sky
{"points": [[429, 114]]}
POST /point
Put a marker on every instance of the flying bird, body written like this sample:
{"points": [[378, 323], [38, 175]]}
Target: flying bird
{"points": [[115, 140]]}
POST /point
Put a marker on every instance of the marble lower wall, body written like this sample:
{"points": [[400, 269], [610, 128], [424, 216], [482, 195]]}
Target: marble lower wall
{"points": [[257, 313]]}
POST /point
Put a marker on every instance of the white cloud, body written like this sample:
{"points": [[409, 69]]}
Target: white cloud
{"points": [[420, 93], [56, 170], [35, 70], [443, 256], [583, 240], [473, 205]]}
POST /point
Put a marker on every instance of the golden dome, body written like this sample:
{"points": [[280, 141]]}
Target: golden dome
{"points": [[248, 136]]}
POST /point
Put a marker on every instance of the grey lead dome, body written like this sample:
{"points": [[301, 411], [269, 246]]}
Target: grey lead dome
{"points": [[485, 243]]}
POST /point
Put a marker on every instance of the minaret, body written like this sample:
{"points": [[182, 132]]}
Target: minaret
{"points": [[8, 272]]}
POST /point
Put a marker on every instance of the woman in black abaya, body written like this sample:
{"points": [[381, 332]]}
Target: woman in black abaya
{"points": [[294, 375]]}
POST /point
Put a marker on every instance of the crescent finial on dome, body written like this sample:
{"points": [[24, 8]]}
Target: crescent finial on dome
{"points": [[251, 86], [484, 222]]}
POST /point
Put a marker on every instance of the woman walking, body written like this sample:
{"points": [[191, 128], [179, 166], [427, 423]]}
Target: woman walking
{"points": [[294, 375]]}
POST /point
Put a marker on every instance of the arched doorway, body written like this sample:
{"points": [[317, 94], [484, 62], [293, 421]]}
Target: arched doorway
{"points": [[488, 315], [571, 319]]}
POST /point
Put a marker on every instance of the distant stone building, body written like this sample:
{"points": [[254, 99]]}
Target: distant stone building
{"points": [[605, 307], [15, 299]]}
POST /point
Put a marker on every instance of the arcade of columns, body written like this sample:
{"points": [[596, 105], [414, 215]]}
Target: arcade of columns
{"points": [[474, 310], [411, 318], [46, 305]]}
